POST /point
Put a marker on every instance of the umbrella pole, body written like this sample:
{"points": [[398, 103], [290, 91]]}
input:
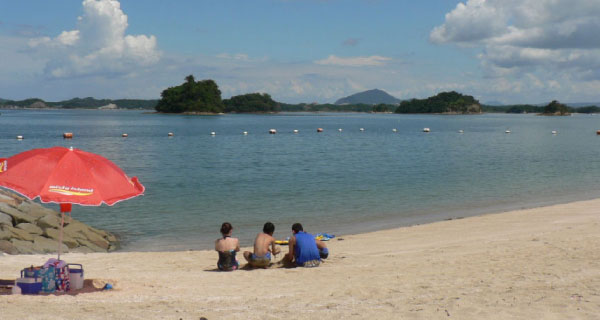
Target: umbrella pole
{"points": [[64, 207]]}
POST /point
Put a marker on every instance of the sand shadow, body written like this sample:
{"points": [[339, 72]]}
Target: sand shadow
{"points": [[89, 286]]}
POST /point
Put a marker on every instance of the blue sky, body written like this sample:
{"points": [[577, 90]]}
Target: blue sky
{"points": [[302, 50]]}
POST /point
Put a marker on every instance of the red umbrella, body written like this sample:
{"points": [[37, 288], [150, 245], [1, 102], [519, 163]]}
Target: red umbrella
{"points": [[67, 176]]}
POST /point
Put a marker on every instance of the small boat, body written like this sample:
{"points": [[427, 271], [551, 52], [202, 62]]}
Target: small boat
{"points": [[461, 131], [426, 130], [507, 131]]}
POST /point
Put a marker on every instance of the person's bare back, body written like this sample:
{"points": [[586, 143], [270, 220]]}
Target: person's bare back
{"points": [[264, 245]]}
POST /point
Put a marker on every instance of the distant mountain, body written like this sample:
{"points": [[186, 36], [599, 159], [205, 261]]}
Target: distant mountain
{"points": [[374, 96]]}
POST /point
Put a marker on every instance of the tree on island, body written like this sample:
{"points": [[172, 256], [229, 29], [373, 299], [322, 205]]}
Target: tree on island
{"points": [[251, 102], [556, 108], [445, 102], [192, 96]]}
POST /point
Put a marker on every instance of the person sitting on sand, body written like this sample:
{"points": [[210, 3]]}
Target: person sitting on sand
{"points": [[264, 245], [304, 249], [227, 248]]}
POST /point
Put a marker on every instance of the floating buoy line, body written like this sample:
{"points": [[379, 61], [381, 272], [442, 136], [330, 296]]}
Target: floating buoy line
{"points": [[70, 135]]}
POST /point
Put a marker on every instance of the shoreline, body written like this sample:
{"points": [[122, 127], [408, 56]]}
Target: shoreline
{"points": [[533, 263], [386, 223]]}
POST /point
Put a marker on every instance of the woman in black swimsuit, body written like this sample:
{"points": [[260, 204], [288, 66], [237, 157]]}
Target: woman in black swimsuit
{"points": [[227, 248]]}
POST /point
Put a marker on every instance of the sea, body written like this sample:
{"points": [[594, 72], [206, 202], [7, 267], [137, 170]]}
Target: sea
{"points": [[364, 172]]}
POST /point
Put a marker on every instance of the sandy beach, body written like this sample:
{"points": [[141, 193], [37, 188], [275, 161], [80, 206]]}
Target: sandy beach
{"points": [[540, 263]]}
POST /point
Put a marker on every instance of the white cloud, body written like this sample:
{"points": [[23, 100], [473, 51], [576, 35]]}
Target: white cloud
{"points": [[99, 45], [526, 42], [237, 56], [354, 61]]}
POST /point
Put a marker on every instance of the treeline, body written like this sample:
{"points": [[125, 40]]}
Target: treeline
{"points": [[551, 108], [79, 103], [251, 102], [445, 102]]}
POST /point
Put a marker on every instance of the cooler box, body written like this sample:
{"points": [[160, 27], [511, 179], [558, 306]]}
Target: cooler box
{"points": [[29, 285], [76, 275]]}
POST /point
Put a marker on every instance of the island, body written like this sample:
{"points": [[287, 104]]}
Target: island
{"points": [[193, 97], [556, 108], [443, 103]]}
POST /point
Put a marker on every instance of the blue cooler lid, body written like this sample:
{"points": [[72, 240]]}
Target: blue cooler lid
{"points": [[75, 270]]}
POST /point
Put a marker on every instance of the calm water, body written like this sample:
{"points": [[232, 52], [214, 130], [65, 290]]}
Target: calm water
{"points": [[332, 182]]}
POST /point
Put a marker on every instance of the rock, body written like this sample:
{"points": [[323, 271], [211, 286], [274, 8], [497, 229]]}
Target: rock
{"points": [[6, 219], [30, 228], [45, 245], [21, 234], [8, 247], [81, 231], [22, 246], [112, 238], [55, 234], [75, 228], [16, 197], [49, 221], [35, 210], [17, 215], [36, 229], [90, 245], [5, 234], [101, 233]]}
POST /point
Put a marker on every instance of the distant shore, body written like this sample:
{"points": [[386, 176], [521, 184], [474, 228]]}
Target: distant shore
{"points": [[525, 264]]}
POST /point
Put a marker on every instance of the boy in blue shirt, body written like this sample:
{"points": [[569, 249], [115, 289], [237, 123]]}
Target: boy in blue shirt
{"points": [[304, 249]]}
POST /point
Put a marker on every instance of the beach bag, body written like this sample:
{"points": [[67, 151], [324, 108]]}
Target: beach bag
{"points": [[63, 282], [48, 279]]}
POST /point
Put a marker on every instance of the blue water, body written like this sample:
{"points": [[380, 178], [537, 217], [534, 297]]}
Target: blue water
{"points": [[335, 182]]}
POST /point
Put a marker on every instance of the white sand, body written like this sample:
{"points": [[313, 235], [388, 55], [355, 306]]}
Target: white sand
{"points": [[541, 263]]}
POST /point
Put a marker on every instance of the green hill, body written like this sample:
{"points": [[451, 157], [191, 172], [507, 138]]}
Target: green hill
{"points": [[446, 102]]}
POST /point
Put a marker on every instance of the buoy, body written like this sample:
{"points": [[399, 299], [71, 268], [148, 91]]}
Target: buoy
{"points": [[272, 131], [19, 137], [245, 133], [362, 129], [426, 130], [68, 135], [395, 130], [507, 131], [170, 134], [340, 129], [212, 133], [554, 132], [319, 129], [461, 131], [295, 131], [124, 135]]}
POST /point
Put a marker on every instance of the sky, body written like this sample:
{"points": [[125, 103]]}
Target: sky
{"points": [[500, 51]]}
